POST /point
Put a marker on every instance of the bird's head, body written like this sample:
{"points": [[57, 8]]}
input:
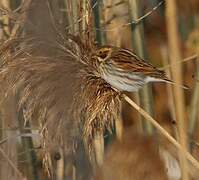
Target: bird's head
{"points": [[103, 53]]}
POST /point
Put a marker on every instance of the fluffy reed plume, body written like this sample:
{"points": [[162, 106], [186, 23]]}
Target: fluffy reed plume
{"points": [[58, 91], [135, 157]]}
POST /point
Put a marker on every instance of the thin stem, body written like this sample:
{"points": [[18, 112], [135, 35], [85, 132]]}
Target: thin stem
{"points": [[27, 144], [98, 137], [97, 21], [162, 131], [140, 19], [99, 147], [176, 71], [194, 106], [194, 56], [138, 44], [133, 22]]}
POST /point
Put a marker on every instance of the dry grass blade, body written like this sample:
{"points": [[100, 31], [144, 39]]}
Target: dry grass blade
{"points": [[195, 56], [164, 132], [134, 21]]}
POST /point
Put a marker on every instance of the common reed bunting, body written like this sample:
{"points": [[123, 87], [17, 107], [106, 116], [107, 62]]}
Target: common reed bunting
{"points": [[124, 70]]}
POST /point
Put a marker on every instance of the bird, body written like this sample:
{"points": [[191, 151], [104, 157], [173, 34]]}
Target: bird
{"points": [[124, 70]]}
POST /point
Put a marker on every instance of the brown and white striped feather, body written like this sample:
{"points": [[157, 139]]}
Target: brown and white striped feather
{"points": [[127, 72]]}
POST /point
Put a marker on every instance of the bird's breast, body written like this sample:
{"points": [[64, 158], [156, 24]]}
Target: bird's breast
{"points": [[123, 81]]}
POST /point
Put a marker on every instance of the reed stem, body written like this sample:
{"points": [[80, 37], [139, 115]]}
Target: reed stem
{"points": [[98, 137], [194, 106], [176, 71], [163, 131], [145, 94], [27, 145]]}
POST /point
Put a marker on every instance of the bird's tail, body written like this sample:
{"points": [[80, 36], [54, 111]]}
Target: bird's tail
{"points": [[160, 76], [174, 83]]}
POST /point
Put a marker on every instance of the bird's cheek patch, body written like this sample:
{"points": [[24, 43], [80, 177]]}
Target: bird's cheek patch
{"points": [[100, 59]]}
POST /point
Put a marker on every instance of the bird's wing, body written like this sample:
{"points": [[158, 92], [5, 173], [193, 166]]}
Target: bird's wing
{"points": [[132, 63]]}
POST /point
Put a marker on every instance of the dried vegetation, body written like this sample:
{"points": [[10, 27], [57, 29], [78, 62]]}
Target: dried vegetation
{"points": [[53, 105]]}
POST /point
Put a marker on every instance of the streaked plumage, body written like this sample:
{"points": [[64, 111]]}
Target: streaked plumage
{"points": [[124, 70]]}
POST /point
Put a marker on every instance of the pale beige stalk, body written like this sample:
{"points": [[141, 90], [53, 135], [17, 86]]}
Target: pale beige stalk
{"points": [[145, 94], [176, 71], [163, 132]]}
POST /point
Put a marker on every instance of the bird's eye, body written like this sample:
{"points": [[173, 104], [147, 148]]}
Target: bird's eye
{"points": [[103, 54]]}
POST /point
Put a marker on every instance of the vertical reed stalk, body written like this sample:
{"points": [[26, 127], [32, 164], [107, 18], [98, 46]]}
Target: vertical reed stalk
{"points": [[194, 106], [84, 12], [176, 70], [9, 118], [72, 15], [74, 173], [5, 19], [104, 35], [171, 103], [24, 7], [97, 17], [99, 148], [60, 167], [119, 127], [138, 44], [99, 138], [27, 147]]}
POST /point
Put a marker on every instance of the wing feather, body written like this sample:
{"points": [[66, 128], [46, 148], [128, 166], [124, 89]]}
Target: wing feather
{"points": [[127, 60]]}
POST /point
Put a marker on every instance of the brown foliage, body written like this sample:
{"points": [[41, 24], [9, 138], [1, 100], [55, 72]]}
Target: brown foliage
{"points": [[59, 92]]}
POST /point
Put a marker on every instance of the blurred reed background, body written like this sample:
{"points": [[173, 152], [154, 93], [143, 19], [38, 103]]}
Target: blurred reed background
{"points": [[57, 120]]}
